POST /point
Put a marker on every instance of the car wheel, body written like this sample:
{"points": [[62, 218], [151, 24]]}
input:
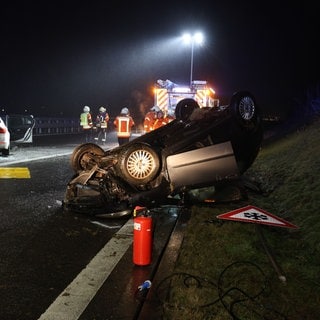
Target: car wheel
{"points": [[184, 109], [139, 164], [84, 156], [245, 109]]}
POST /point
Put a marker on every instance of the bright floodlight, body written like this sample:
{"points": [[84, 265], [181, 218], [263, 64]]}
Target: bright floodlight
{"points": [[198, 38], [186, 38], [195, 38]]}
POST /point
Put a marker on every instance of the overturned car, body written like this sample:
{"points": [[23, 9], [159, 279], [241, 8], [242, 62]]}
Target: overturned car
{"points": [[200, 148]]}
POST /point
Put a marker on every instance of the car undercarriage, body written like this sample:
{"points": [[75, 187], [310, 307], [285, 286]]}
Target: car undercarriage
{"points": [[201, 148]]}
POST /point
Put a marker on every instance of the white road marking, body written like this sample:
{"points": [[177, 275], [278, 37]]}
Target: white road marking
{"points": [[105, 225], [33, 158], [71, 303]]}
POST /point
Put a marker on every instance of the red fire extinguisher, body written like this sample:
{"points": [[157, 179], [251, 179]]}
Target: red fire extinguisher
{"points": [[142, 236]]}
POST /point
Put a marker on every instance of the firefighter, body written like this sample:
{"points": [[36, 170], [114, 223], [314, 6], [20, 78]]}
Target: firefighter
{"points": [[101, 125], [153, 119], [123, 124], [86, 123], [149, 119], [160, 120]]}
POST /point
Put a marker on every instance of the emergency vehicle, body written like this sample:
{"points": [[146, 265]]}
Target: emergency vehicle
{"points": [[167, 94]]}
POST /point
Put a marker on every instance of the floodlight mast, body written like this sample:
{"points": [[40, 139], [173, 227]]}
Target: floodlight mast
{"points": [[196, 38], [191, 64]]}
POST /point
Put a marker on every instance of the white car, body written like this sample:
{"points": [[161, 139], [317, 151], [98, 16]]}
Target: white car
{"points": [[4, 138]]}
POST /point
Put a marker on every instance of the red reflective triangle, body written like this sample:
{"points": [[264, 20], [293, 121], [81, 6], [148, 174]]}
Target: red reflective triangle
{"points": [[254, 214]]}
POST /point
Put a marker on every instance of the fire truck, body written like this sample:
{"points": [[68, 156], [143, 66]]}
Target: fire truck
{"points": [[167, 94]]}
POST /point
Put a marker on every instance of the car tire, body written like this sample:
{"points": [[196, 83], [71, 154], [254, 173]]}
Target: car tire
{"points": [[245, 109], [184, 109], [139, 164], [83, 156]]}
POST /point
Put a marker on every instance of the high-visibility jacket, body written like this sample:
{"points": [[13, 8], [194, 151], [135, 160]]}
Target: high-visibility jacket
{"points": [[159, 123], [102, 120], [149, 119], [123, 125], [152, 121], [86, 120]]}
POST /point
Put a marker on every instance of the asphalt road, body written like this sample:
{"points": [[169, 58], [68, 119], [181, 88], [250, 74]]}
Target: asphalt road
{"points": [[60, 265]]}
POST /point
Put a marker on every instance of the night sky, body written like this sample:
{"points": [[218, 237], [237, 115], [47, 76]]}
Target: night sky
{"points": [[57, 57]]}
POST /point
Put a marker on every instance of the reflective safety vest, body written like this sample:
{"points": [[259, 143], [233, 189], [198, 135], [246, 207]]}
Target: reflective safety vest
{"points": [[158, 123], [85, 120], [123, 125], [149, 120], [102, 120]]}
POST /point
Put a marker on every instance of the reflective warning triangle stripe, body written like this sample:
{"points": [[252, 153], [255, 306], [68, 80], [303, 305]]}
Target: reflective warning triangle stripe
{"points": [[257, 215]]}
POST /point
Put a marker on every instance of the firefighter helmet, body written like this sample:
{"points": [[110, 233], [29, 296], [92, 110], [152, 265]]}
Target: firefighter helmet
{"points": [[155, 108], [125, 111], [102, 109], [86, 109]]}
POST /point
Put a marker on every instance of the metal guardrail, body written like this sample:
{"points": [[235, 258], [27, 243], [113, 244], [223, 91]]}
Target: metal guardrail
{"points": [[56, 126], [23, 127], [64, 126]]}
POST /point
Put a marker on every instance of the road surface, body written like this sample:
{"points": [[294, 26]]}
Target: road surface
{"points": [[57, 265]]}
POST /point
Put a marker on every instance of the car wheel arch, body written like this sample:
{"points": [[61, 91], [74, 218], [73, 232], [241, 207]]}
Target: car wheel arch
{"points": [[85, 150]]}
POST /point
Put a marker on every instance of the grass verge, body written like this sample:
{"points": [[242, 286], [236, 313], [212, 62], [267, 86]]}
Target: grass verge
{"points": [[237, 270]]}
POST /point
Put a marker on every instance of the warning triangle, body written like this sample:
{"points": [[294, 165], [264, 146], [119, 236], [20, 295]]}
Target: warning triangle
{"points": [[254, 214]]}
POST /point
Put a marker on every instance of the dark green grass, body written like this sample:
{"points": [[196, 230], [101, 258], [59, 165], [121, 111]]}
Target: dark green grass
{"points": [[225, 270]]}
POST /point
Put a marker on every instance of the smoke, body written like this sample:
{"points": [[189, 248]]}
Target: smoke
{"points": [[141, 103]]}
